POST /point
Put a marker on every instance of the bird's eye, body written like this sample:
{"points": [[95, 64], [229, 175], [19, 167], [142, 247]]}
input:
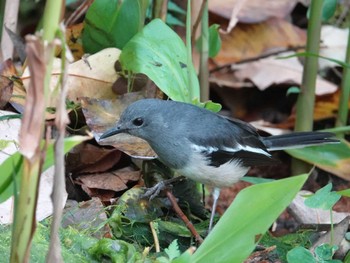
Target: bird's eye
{"points": [[137, 121]]}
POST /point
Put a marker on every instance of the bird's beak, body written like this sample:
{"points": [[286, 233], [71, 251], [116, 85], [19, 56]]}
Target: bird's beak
{"points": [[113, 131]]}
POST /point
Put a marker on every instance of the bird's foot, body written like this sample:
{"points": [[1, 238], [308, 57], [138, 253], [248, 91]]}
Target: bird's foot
{"points": [[154, 191]]}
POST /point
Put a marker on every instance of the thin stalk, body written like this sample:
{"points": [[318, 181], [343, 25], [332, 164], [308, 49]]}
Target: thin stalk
{"points": [[2, 14], [343, 107], [159, 9], [25, 219], [306, 99], [189, 48], [204, 56]]}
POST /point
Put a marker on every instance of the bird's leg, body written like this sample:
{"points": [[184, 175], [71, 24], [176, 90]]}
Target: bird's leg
{"points": [[216, 194], [153, 191]]}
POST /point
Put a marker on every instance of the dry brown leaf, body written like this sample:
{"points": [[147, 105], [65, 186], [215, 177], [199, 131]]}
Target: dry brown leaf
{"points": [[88, 158], [8, 70], [115, 181], [253, 11], [103, 195], [101, 115], [92, 76], [6, 89], [269, 71], [32, 122], [252, 40], [73, 33]]}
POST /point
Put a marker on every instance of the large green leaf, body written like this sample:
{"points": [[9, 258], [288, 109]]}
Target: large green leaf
{"points": [[11, 168], [249, 216], [112, 23], [159, 52], [334, 158]]}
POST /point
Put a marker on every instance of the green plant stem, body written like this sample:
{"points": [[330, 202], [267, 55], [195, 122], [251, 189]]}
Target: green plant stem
{"points": [[24, 218], [332, 227], [204, 55], [306, 99], [189, 48], [51, 21], [2, 12], [343, 108], [159, 9]]}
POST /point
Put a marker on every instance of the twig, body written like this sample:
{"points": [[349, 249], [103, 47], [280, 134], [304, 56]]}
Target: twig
{"points": [[198, 20], [155, 237], [78, 12], [58, 196], [184, 218], [247, 60]]}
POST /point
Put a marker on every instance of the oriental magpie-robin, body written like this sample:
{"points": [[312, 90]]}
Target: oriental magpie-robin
{"points": [[204, 146]]}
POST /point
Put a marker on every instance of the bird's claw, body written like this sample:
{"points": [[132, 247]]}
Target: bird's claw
{"points": [[154, 191]]}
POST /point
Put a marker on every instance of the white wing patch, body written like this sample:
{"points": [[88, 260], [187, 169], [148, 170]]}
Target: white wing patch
{"points": [[210, 149]]}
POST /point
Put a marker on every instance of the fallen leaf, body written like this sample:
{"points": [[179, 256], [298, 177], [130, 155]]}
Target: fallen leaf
{"points": [[86, 215], [8, 71], [252, 11], [252, 40], [102, 115], [6, 89], [92, 76], [334, 43], [115, 181], [271, 71], [73, 36], [88, 158]]}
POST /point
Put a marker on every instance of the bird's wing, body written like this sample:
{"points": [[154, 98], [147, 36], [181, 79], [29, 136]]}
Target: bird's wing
{"points": [[240, 142], [247, 156]]}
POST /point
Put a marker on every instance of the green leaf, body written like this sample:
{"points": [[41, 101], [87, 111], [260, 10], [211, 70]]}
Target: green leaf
{"points": [[250, 215], [324, 198], [172, 7], [325, 252], [256, 180], [328, 9], [11, 168], [293, 90], [333, 158], [213, 39], [209, 105], [345, 192], [159, 52], [173, 250], [112, 23], [300, 254]]}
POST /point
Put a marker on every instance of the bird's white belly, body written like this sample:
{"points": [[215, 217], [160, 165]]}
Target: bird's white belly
{"points": [[223, 176]]}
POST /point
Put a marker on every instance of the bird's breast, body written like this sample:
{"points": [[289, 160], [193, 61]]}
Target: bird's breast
{"points": [[198, 169]]}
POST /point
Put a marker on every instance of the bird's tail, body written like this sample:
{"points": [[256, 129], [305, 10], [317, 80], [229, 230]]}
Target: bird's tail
{"points": [[298, 140]]}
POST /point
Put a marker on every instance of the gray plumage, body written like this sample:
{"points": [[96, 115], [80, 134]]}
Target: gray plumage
{"points": [[202, 145]]}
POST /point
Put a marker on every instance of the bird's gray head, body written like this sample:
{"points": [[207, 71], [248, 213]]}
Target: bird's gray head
{"points": [[142, 118]]}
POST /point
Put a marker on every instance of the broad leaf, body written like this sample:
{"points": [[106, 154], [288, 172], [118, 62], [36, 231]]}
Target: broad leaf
{"points": [[247, 219], [112, 23], [159, 52], [333, 158]]}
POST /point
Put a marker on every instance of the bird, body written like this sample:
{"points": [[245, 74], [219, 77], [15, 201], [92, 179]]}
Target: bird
{"points": [[205, 146]]}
